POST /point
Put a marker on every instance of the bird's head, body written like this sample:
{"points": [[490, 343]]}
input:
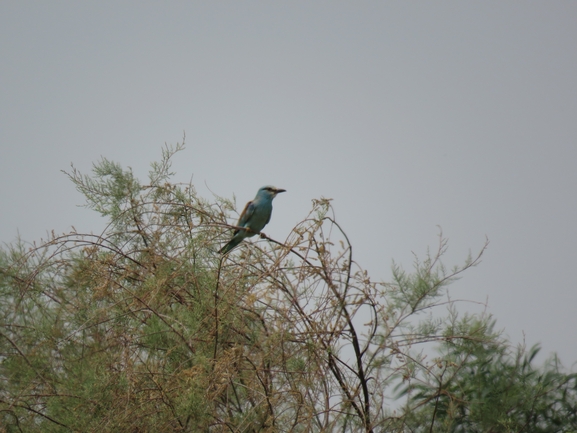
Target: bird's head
{"points": [[269, 191]]}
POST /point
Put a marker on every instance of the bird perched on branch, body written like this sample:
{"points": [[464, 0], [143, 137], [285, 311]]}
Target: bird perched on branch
{"points": [[254, 217]]}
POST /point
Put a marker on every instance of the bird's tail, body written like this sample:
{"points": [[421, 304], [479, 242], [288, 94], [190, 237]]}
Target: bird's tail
{"points": [[230, 245]]}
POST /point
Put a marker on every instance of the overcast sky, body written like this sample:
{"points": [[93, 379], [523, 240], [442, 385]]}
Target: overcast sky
{"points": [[410, 115]]}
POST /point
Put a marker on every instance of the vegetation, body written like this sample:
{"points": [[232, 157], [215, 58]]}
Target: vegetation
{"points": [[146, 328]]}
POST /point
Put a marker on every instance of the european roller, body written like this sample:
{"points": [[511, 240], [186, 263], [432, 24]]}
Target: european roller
{"points": [[254, 217]]}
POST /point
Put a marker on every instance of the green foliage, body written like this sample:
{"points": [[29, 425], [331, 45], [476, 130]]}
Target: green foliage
{"points": [[146, 328], [482, 386]]}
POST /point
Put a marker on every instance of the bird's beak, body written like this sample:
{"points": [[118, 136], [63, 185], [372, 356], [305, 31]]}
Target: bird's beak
{"points": [[279, 190]]}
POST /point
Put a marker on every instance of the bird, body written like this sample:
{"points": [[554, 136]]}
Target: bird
{"points": [[254, 217]]}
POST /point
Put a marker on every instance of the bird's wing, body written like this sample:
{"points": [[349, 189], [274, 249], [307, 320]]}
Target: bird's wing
{"points": [[246, 215]]}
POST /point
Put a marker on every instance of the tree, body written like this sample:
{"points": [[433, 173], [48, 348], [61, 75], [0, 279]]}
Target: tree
{"points": [[146, 328], [488, 387]]}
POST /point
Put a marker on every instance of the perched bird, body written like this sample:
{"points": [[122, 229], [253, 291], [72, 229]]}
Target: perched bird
{"points": [[254, 217]]}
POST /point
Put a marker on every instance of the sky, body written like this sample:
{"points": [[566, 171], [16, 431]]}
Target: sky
{"points": [[410, 115]]}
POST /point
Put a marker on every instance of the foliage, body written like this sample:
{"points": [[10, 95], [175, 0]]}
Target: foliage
{"points": [[146, 328], [482, 387]]}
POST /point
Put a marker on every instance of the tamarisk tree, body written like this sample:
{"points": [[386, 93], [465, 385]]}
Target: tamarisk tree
{"points": [[145, 327]]}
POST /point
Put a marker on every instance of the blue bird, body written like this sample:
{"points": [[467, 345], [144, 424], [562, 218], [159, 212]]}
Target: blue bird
{"points": [[254, 217]]}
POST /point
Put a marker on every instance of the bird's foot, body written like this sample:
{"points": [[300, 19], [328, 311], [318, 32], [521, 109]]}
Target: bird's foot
{"points": [[262, 235]]}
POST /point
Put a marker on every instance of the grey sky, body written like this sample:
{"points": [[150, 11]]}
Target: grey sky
{"points": [[408, 114]]}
